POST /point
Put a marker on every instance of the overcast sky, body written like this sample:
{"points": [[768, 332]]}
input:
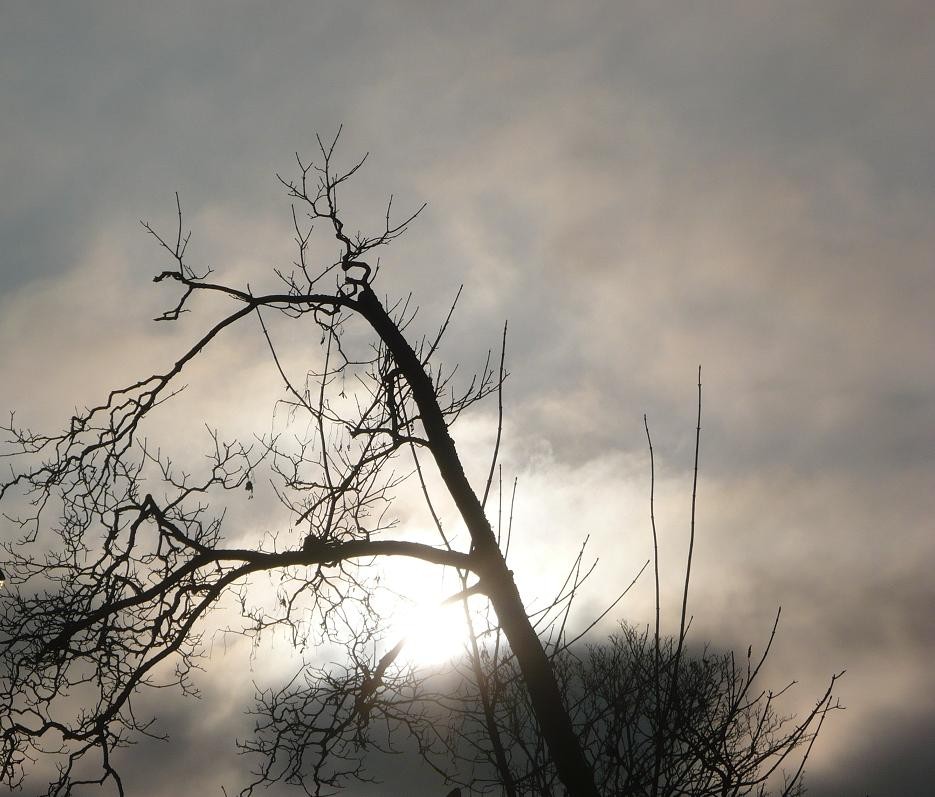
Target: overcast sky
{"points": [[639, 188]]}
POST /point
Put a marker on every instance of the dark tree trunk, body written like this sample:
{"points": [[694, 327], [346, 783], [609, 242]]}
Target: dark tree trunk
{"points": [[496, 579]]}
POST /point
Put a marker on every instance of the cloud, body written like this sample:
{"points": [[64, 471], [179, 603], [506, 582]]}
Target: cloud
{"points": [[638, 189]]}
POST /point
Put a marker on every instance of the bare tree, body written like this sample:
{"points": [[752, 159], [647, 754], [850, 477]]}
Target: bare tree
{"points": [[655, 718], [122, 564], [120, 557], [723, 734]]}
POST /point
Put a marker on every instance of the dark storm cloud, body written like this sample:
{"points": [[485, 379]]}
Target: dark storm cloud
{"points": [[891, 760], [640, 188]]}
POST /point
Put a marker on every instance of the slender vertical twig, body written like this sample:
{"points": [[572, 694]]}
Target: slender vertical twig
{"points": [[691, 538], [657, 753], [496, 447], [671, 692]]}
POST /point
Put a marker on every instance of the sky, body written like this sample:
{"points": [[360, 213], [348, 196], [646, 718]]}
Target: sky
{"points": [[638, 188]]}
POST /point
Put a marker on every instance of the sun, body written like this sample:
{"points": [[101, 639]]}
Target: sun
{"points": [[434, 633]]}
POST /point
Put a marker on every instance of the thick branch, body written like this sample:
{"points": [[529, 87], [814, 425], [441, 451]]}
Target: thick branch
{"points": [[497, 579]]}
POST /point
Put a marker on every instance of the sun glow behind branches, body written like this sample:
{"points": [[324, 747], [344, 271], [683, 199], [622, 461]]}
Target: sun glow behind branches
{"points": [[434, 633]]}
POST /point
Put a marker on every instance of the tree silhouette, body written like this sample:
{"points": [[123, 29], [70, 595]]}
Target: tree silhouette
{"points": [[718, 733], [655, 718], [116, 589], [122, 556]]}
